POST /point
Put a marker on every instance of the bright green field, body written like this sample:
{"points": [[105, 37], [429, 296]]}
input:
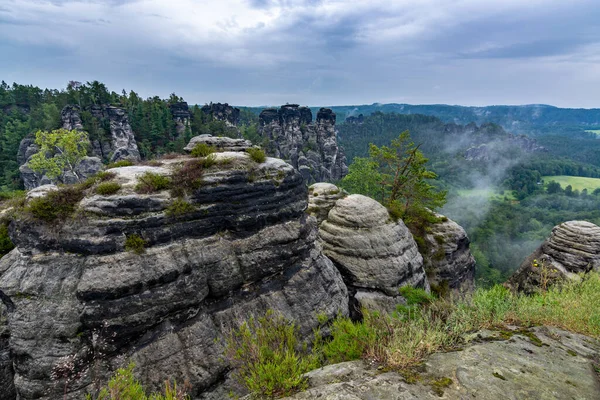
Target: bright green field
{"points": [[596, 131], [577, 182], [488, 193]]}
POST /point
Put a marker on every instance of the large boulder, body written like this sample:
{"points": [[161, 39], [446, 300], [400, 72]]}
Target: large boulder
{"points": [[447, 259], [80, 303], [322, 197], [219, 143], [311, 147], [491, 368], [572, 248], [373, 252]]}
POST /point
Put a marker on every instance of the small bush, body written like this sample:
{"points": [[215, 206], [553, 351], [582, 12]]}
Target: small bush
{"points": [[187, 178], [257, 154], [123, 386], [6, 245], [269, 360], [57, 204], [208, 161], [179, 207], [202, 150], [108, 188], [150, 183], [122, 163], [104, 176], [135, 243]]}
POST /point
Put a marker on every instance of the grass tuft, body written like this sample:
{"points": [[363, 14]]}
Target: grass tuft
{"points": [[257, 154], [202, 150], [108, 188], [121, 163], [150, 182], [57, 204], [179, 207], [135, 243]]}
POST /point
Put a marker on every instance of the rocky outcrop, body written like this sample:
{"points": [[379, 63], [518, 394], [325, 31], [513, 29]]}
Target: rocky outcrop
{"points": [[223, 112], [447, 259], [497, 148], [87, 167], [489, 368], [180, 113], [573, 247], [373, 253], [119, 143], [80, 304], [322, 197], [219, 143], [311, 147]]}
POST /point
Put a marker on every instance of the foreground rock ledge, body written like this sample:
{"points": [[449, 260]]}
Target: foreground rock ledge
{"points": [[513, 369], [71, 289]]}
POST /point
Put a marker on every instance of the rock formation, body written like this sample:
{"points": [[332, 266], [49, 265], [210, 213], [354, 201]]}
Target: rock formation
{"points": [[322, 197], [374, 254], [223, 112], [573, 247], [447, 259], [489, 368], [181, 115], [87, 167], [220, 143], [122, 144], [73, 294], [311, 147]]}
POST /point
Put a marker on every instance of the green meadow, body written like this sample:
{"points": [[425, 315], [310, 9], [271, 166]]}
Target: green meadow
{"points": [[577, 182]]}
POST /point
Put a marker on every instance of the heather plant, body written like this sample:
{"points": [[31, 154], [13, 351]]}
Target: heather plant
{"points": [[55, 205], [202, 150], [108, 188], [257, 154], [150, 182]]}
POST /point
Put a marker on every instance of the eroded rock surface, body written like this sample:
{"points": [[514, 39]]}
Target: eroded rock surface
{"points": [[321, 199], [311, 147], [75, 293], [516, 369], [180, 113], [220, 143], [573, 247], [373, 253], [447, 259], [223, 112]]}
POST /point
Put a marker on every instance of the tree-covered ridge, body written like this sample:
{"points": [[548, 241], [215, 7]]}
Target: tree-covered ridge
{"points": [[25, 109]]}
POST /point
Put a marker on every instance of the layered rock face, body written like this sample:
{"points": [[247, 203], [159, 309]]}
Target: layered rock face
{"points": [[448, 260], [220, 143], [375, 255], [322, 197], [87, 167], [181, 115], [73, 295], [223, 112], [573, 247], [311, 147], [122, 144]]}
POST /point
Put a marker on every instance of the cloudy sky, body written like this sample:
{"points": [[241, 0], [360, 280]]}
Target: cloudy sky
{"points": [[314, 52]]}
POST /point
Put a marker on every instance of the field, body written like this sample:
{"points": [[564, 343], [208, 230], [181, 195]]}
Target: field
{"points": [[490, 194], [596, 131], [577, 182]]}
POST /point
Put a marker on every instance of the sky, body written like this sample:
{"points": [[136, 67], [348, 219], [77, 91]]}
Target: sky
{"points": [[312, 52]]}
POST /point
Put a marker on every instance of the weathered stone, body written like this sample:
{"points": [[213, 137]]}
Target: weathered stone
{"points": [[311, 147], [223, 112], [500, 369], [87, 167], [72, 290], [220, 143], [321, 199], [180, 113], [447, 259], [573, 247], [372, 252]]}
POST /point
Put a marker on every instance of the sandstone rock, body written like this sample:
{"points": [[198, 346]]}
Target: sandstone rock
{"points": [[321, 199], [180, 113], [87, 167], [310, 147], [447, 260], [372, 252], [511, 369], [220, 143], [572, 248], [223, 112], [71, 289]]}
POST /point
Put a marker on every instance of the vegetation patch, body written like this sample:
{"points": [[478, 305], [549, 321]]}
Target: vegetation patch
{"points": [[439, 385], [121, 163], [108, 188], [187, 178], [257, 154], [202, 150], [179, 207], [56, 205], [150, 182], [135, 243], [576, 182], [6, 245]]}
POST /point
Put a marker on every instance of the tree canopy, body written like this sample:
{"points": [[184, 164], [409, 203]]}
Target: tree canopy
{"points": [[59, 150]]}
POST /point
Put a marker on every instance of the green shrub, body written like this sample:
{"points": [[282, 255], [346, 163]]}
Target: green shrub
{"points": [[208, 161], [104, 176], [150, 182], [6, 245], [349, 340], [135, 243], [187, 178], [57, 204], [108, 188], [257, 154], [123, 386], [268, 358], [202, 150], [122, 163], [179, 207]]}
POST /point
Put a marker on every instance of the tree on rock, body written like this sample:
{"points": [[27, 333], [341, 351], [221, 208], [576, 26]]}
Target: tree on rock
{"points": [[59, 150], [397, 176]]}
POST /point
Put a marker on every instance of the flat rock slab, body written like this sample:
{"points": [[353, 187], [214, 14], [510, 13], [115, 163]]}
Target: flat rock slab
{"points": [[547, 363]]}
